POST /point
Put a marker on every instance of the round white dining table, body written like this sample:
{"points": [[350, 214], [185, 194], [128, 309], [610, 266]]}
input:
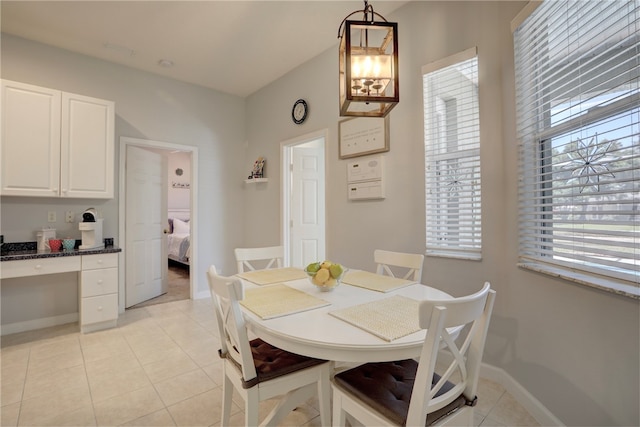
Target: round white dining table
{"points": [[318, 334]]}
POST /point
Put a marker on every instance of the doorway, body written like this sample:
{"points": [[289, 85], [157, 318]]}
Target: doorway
{"points": [[303, 201], [150, 256]]}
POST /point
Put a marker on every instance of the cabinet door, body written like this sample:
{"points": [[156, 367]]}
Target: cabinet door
{"points": [[87, 147], [30, 153]]}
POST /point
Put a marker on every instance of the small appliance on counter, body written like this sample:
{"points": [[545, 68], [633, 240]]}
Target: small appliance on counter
{"points": [[91, 228], [43, 237]]}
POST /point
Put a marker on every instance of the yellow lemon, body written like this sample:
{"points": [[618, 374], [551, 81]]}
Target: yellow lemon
{"points": [[322, 275]]}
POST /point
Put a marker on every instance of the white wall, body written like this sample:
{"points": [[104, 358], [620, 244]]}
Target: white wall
{"points": [[179, 197], [574, 348], [148, 107]]}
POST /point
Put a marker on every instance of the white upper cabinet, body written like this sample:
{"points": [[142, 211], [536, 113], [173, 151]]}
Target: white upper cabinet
{"points": [[56, 144]]}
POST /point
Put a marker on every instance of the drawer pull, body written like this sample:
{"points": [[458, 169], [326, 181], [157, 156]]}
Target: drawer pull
{"points": [[100, 308], [100, 282], [99, 261], [38, 267]]}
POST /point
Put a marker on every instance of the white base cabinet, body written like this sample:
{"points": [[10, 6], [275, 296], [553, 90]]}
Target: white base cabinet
{"points": [[98, 292], [97, 284], [55, 144]]}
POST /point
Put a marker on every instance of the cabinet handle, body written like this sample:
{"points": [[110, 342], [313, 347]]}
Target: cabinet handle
{"points": [[100, 308], [38, 267], [100, 282], [99, 261]]}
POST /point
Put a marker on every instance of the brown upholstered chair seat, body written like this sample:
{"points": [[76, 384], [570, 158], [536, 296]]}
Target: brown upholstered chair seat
{"points": [[387, 387], [272, 362]]}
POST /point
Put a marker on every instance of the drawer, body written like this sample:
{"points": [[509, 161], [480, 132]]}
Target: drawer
{"points": [[34, 267], [98, 309], [98, 282], [91, 262]]}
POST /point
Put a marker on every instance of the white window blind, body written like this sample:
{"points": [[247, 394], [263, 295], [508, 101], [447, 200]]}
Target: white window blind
{"points": [[452, 156], [577, 66]]}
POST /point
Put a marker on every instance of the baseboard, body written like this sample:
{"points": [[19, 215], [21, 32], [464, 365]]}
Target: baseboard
{"points": [[45, 322], [202, 295], [531, 404]]}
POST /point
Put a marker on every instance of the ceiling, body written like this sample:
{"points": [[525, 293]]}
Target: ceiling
{"points": [[235, 47]]}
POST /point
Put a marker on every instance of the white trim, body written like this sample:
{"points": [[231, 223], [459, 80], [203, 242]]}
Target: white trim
{"points": [[450, 60], [285, 184], [193, 260], [45, 322], [526, 11], [526, 399]]}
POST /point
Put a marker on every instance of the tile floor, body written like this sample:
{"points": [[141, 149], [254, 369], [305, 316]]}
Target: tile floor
{"points": [[159, 367]]}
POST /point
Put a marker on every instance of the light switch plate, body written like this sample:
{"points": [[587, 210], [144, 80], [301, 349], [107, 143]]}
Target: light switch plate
{"points": [[70, 216], [51, 216]]}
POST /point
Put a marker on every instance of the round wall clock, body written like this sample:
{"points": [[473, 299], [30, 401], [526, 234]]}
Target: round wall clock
{"points": [[299, 111]]}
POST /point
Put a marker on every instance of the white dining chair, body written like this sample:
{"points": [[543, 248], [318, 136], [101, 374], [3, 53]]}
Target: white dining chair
{"points": [[258, 258], [410, 264], [258, 370], [396, 393]]}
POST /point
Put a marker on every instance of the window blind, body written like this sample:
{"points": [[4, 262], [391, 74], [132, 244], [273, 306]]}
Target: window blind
{"points": [[577, 68], [452, 157]]}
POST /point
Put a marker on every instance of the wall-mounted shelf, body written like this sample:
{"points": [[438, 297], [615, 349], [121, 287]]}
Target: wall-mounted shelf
{"points": [[256, 180]]}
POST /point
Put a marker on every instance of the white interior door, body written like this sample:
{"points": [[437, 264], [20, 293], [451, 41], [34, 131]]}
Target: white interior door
{"points": [[307, 204], [146, 216]]}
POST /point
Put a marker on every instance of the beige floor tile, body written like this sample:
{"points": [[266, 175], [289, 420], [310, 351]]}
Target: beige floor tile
{"points": [[11, 391], [157, 352], [203, 352], [9, 414], [214, 371], [508, 411], [108, 384], [113, 346], [55, 347], [489, 392], [55, 381], [57, 362], [174, 364], [184, 386], [82, 418], [202, 410], [122, 361], [156, 419], [42, 410], [127, 407]]}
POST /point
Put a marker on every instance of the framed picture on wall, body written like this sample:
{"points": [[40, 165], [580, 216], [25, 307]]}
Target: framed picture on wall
{"points": [[362, 136]]}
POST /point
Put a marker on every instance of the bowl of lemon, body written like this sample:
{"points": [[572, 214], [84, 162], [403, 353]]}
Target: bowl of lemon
{"points": [[326, 275]]}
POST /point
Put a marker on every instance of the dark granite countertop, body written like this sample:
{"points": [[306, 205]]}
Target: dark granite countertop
{"points": [[27, 250]]}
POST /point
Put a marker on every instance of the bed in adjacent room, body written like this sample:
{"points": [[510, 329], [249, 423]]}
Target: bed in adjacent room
{"points": [[178, 239]]}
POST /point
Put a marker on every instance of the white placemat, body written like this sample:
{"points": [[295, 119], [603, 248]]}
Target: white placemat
{"points": [[389, 318], [273, 275], [375, 282], [279, 300]]}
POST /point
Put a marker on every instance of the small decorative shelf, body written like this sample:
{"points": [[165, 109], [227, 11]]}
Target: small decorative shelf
{"points": [[255, 180]]}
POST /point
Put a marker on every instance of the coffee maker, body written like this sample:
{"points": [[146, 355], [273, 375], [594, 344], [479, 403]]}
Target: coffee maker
{"points": [[91, 228]]}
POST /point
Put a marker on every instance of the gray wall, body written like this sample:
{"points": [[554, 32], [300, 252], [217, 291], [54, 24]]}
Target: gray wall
{"points": [[147, 107], [576, 349]]}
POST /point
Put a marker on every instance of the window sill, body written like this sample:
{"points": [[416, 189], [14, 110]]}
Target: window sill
{"points": [[604, 284], [454, 255]]}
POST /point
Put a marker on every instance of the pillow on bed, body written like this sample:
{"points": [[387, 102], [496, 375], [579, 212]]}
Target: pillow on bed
{"points": [[180, 226]]}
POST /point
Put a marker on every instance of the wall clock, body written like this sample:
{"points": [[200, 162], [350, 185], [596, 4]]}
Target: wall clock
{"points": [[299, 111]]}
